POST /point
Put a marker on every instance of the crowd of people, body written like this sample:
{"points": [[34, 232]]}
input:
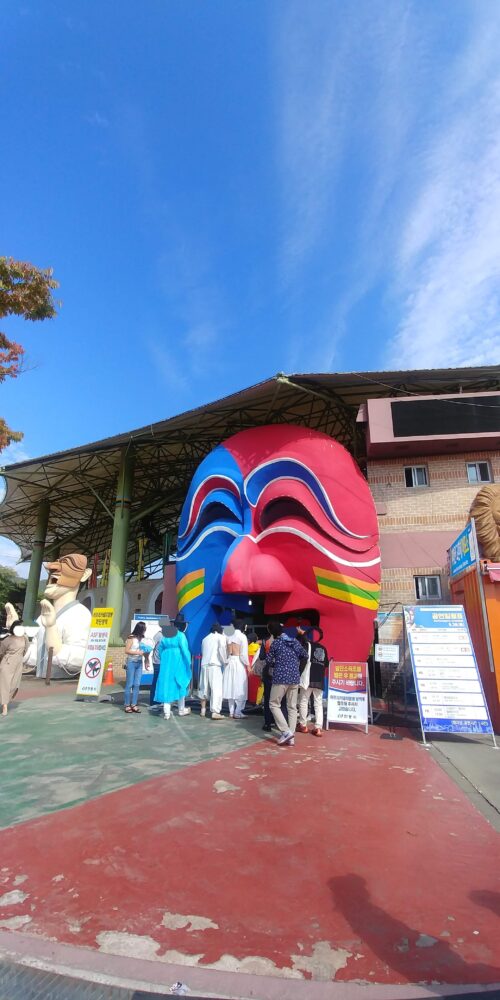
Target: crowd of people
{"points": [[291, 667]]}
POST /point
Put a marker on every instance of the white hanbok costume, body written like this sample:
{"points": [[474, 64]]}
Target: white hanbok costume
{"points": [[73, 622], [235, 681], [213, 660]]}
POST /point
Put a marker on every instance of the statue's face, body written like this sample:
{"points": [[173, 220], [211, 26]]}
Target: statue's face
{"points": [[279, 520], [64, 575]]}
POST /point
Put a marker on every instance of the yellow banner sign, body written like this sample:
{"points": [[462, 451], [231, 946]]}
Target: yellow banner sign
{"points": [[102, 618]]}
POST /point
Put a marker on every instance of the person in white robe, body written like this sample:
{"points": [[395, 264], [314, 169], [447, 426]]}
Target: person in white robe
{"points": [[235, 680], [213, 660]]}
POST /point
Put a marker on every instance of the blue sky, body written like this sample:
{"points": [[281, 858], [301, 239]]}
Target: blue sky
{"points": [[230, 188]]}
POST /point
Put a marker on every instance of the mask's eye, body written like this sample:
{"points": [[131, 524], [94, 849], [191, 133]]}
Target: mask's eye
{"points": [[214, 513], [285, 509], [218, 511]]}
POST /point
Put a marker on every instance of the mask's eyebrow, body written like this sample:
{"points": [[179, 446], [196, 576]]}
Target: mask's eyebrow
{"points": [[209, 485], [290, 468]]}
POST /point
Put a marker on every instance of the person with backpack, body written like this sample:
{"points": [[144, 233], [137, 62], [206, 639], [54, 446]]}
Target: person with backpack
{"points": [[312, 682]]}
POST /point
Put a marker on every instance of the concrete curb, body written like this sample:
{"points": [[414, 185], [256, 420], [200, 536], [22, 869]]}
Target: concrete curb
{"points": [[157, 977]]}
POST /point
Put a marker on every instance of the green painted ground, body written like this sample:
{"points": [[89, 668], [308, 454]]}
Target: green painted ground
{"points": [[56, 752]]}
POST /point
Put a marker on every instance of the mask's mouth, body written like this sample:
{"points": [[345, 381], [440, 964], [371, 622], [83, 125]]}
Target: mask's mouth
{"points": [[53, 578]]}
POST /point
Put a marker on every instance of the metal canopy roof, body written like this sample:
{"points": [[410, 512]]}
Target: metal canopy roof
{"points": [[80, 483]]}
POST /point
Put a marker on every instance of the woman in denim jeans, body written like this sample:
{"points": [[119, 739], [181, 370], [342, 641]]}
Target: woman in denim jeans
{"points": [[134, 668]]}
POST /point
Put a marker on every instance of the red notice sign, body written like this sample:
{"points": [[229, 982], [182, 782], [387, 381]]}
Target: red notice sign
{"points": [[348, 693]]}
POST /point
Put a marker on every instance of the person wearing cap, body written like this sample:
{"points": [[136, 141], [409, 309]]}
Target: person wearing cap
{"points": [[13, 646], [180, 622], [64, 622]]}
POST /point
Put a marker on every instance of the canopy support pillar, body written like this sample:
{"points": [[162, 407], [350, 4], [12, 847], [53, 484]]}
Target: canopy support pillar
{"points": [[119, 543], [33, 582]]}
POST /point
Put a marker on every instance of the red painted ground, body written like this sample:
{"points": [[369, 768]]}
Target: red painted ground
{"points": [[347, 844]]}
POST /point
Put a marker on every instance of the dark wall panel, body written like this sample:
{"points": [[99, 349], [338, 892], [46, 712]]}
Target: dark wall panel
{"points": [[422, 417]]}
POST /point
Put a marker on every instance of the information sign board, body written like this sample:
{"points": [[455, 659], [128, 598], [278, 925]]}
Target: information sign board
{"points": [[153, 625], [386, 653], [348, 693], [447, 680], [94, 659], [463, 551]]}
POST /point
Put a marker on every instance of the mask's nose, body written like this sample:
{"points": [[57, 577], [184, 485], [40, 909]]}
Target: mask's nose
{"points": [[251, 571]]}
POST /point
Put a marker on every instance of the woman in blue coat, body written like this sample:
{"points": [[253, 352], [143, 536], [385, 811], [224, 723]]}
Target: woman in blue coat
{"points": [[174, 677]]}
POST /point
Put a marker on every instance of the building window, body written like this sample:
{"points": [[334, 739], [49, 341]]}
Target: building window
{"points": [[428, 588], [479, 472], [416, 475]]}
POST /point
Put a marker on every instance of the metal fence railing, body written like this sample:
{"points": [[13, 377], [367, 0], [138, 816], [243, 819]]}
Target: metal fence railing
{"points": [[392, 686]]}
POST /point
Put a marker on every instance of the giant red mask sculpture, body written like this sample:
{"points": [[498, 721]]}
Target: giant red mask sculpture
{"points": [[280, 521]]}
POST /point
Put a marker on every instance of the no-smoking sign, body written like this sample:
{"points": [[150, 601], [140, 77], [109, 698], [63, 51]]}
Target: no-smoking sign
{"points": [[92, 667], [94, 658]]}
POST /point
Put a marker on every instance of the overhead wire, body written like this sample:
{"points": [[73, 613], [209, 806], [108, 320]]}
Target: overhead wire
{"points": [[409, 392]]}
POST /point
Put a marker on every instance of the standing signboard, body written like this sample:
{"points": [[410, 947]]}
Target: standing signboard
{"points": [[447, 681], [348, 693], [94, 659], [153, 625]]}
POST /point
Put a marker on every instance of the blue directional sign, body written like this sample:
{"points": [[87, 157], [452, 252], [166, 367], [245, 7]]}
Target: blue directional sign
{"points": [[463, 551]]}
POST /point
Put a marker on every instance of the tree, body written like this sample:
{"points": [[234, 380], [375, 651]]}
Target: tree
{"points": [[12, 587], [26, 291]]}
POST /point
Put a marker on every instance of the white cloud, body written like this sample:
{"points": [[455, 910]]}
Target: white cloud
{"points": [[168, 365], [195, 311], [345, 102], [447, 269], [15, 452], [389, 156], [194, 299], [97, 120], [311, 113]]}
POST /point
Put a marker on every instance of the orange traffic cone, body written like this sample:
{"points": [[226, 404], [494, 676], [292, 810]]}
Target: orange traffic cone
{"points": [[108, 675]]}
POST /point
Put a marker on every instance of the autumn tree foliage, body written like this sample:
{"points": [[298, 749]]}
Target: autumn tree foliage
{"points": [[25, 290]]}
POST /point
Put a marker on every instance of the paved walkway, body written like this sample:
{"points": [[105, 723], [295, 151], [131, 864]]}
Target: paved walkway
{"points": [[474, 763], [204, 848]]}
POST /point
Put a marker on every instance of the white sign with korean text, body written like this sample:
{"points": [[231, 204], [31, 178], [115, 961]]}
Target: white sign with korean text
{"points": [[447, 680], [386, 653], [94, 660]]}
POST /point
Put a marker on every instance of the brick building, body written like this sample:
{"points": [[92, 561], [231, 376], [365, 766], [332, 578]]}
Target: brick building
{"points": [[424, 474]]}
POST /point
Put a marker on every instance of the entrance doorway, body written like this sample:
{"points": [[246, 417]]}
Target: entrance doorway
{"points": [[256, 619]]}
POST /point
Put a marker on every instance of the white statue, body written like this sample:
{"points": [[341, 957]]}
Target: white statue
{"points": [[64, 622]]}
